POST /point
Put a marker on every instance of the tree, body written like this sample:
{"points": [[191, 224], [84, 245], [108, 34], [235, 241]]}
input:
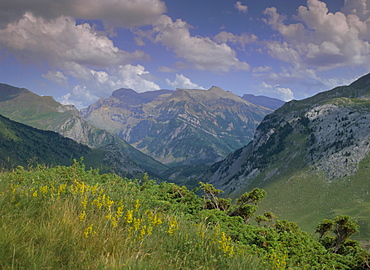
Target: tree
{"points": [[211, 200], [344, 227], [324, 227], [246, 205]]}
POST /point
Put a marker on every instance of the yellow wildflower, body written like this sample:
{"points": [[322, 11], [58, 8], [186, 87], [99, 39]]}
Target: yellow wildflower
{"points": [[82, 215], [137, 222], [157, 220], [173, 226], [137, 205], [129, 216], [89, 230], [44, 189], [84, 202]]}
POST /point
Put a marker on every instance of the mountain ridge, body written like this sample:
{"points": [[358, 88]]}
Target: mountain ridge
{"points": [[43, 112], [23, 145], [305, 154], [181, 127]]}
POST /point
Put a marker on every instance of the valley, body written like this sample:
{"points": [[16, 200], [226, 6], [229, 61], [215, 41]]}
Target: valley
{"points": [[311, 155]]}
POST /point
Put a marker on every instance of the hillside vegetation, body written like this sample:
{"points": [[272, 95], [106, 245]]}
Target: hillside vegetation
{"points": [[43, 112], [70, 218], [27, 146]]}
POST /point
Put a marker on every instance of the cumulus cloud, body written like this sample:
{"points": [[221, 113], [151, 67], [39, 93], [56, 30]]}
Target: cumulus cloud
{"points": [[239, 6], [242, 40], [198, 51], [78, 51], [101, 84], [136, 78], [183, 82], [357, 7], [166, 69], [80, 96], [306, 80], [62, 43], [113, 13], [261, 69], [57, 77], [321, 39], [276, 91]]}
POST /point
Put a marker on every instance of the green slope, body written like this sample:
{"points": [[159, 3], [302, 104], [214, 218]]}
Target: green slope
{"points": [[23, 145], [311, 156], [307, 198], [45, 113]]}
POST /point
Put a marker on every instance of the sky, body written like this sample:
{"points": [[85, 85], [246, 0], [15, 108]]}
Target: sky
{"points": [[81, 50]]}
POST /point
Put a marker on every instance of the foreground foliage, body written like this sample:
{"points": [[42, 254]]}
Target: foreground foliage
{"points": [[67, 217]]}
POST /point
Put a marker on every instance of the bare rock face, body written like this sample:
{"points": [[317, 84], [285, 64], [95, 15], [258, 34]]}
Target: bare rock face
{"points": [[182, 127], [329, 132]]}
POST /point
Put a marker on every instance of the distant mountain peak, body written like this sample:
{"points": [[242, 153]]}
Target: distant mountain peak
{"points": [[216, 89], [185, 126], [267, 102], [123, 93]]}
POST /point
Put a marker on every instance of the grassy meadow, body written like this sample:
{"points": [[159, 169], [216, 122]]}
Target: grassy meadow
{"points": [[72, 218]]}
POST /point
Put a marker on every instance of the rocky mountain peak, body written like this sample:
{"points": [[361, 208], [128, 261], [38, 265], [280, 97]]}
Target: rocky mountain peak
{"points": [[186, 126]]}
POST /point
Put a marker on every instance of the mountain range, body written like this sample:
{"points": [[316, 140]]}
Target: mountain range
{"points": [[312, 156], [22, 145], [182, 127], [43, 112]]}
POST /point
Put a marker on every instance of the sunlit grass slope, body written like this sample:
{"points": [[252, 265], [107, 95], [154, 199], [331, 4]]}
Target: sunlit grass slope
{"points": [[70, 218], [67, 218]]}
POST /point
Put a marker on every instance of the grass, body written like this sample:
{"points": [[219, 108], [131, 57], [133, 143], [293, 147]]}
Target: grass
{"points": [[305, 197], [67, 218]]}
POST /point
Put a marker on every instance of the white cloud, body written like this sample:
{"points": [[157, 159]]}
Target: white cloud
{"points": [[183, 82], [57, 77], [136, 78], [357, 7], [166, 69], [113, 13], [262, 69], [100, 84], [80, 96], [62, 43], [243, 39], [239, 6], [196, 50], [282, 93], [322, 39]]}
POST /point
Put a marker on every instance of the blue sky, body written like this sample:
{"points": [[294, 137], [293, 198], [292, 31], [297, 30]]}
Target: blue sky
{"points": [[81, 50]]}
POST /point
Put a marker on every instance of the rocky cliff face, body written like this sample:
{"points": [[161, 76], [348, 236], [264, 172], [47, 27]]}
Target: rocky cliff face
{"points": [[179, 127], [329, 132]]}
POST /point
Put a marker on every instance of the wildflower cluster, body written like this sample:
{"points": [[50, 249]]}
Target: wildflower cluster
{"points": [[223, 242], [275, 260], [130, 219], [173, 226]]}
